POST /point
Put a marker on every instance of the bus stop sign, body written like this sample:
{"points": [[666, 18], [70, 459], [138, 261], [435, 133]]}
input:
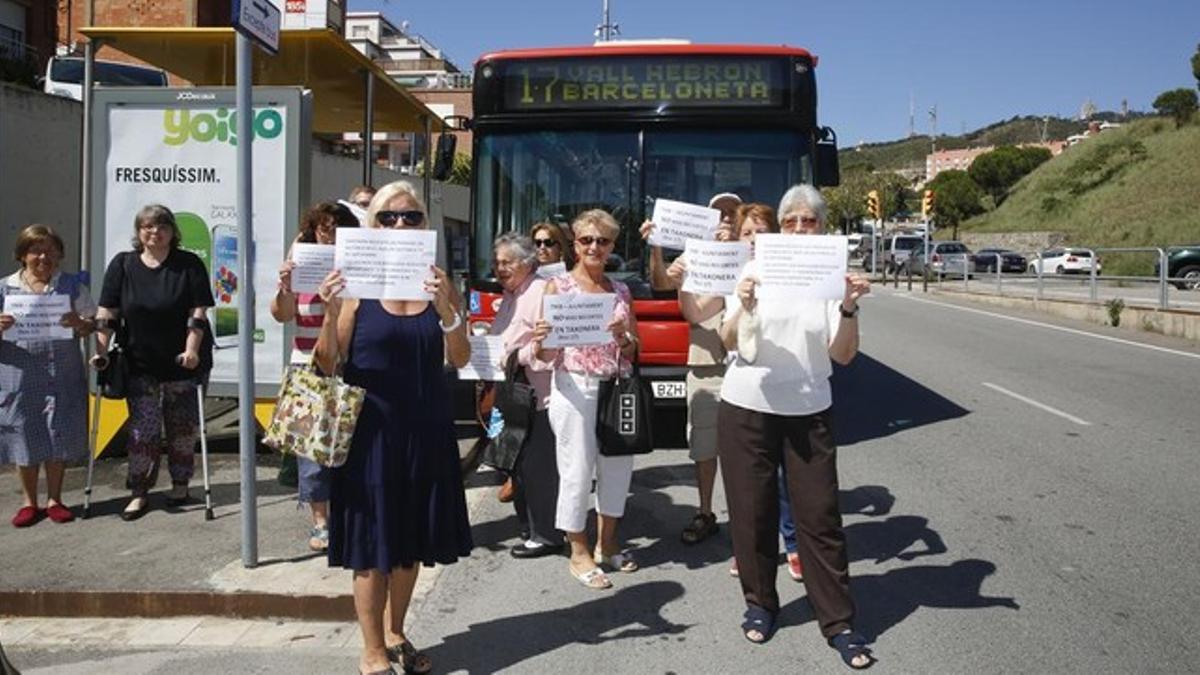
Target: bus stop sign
{"points": [[258, 20]]}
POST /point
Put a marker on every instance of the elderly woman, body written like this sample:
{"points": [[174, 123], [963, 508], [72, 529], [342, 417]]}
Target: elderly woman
{"points": [[319, 225], [536, 472], [573, 407], [398, 502], [775, 411], [43, 388], [161, 292]]}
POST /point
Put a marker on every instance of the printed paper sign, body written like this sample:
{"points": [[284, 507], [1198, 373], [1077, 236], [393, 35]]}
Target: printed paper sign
{"points": [[38, 317], [714, 267], [579, 319], [314, 262], [487, 359], [383, 264], [811, 267], [551, 270], [676, 222]]}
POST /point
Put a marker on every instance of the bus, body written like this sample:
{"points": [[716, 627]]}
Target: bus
{"points": [[618, 125]]}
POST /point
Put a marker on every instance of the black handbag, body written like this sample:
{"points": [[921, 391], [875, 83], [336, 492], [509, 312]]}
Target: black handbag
{"points": [[623, 415], [517, 402]]}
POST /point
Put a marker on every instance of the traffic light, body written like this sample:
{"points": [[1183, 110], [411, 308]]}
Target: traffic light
{"points": [[873, 204], [927, 204]]}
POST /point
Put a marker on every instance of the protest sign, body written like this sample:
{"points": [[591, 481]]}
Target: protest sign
{"points": [[676, 222], [313, 262], [579, 319], [713, 267], [37, 317], [381, 264], [551, 270], [487, 359], [811, 267]]}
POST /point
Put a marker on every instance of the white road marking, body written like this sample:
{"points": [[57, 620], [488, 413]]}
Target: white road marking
{"points": [[1038, 404], [1040, 324]]}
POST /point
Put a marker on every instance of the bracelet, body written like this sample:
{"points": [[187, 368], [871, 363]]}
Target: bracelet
{"points": [[197, 324], [845, 314], [453, 324], [105, 324]]}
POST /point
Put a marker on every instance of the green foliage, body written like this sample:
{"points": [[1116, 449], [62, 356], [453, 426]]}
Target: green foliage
{"points": [[22, 71], [1000, 169], [847, 202], [1114, 307], [460, 173], [1177, 103], [956, 197], [1196, 66]]}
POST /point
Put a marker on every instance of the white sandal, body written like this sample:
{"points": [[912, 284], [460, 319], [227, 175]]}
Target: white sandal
{"points": [[594, 578], [621, 562]]}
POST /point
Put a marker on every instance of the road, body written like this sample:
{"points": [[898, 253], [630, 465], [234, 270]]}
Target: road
{"points": [[1018, 494]]}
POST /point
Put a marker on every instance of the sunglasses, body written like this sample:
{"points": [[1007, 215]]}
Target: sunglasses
{"points": [[390, 218], [545, 243], [599, 241]]}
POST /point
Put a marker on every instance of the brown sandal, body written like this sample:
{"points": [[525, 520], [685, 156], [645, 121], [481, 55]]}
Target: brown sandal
{"points": [[407, 656]]}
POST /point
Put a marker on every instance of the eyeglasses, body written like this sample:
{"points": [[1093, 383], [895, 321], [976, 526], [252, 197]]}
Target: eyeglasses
{"points": [[545, 243], [807, 220], [390, 218], [154, 226], [599, 241]]}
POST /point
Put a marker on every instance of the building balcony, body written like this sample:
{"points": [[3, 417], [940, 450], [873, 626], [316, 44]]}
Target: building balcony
{"points": [[410, 65]]}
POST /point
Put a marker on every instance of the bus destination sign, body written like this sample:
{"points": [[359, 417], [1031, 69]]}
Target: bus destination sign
{"points": [[643, 82]]}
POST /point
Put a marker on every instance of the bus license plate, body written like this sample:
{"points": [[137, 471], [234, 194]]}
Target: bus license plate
{"points": [[670, 390]]}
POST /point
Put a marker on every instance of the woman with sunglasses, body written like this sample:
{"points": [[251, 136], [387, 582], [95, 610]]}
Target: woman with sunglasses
{"points": [[573, 407], [318, 226], [551, 244], [398, 501], [775, 412]]}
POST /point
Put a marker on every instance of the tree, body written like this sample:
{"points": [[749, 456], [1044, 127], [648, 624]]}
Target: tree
{"points": [[956, 197], [1178, 103], [1196, 66], [847, 202], [997, 171]]}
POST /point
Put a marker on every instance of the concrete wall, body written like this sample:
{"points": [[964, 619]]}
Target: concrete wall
{"points": [[1022, 242], [40, 137], [333, 176]]}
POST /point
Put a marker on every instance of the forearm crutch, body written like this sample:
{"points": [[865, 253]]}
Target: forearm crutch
{"points": [[208, 507], [93, 434]]}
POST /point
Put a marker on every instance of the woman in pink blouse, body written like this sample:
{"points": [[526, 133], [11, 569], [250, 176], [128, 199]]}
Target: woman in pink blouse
{"points": [[536, 473], [578, 372]]}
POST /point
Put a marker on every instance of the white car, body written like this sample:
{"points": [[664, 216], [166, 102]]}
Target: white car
{"points": [[1065, 261], [64, 76]]}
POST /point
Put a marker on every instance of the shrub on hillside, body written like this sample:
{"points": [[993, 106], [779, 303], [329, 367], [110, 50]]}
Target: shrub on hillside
{"points": [[1177, 103]]}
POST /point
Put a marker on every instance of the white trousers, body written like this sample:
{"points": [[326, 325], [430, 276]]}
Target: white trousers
{"points": [[572, 414]]}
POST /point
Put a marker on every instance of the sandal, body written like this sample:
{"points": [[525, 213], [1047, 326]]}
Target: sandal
{"points": [[407, 656], [318, 538], [621, 562], [851, 645], [703, 526], [594, 578], [758, 622]]}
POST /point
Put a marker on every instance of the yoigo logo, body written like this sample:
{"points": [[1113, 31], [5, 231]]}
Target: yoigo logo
{"points": [[203, 127]]}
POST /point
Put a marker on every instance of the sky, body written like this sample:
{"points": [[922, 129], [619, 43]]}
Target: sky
{"points": [[977, 62]]}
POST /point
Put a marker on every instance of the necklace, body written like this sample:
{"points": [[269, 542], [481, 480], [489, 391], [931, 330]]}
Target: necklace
{"points": [[33, 283]]}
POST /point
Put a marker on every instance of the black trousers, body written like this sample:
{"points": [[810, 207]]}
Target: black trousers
{"points": [[536, 477], [752, 445]]}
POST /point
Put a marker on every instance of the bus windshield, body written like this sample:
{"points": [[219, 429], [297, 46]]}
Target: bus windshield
{"points": [[526, 177]]}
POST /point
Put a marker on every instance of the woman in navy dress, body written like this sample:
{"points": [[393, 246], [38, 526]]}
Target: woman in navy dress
{"points": [[398, 502]]}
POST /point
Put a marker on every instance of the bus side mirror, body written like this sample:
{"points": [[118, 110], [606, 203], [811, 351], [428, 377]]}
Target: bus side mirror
{"points": [[444, 161], [827, 173]]}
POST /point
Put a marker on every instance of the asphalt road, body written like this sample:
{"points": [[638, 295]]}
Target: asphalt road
{"points": [[1018, 494]]}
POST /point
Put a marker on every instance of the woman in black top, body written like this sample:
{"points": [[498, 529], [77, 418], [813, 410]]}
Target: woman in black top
{"points": [[162, 293]]}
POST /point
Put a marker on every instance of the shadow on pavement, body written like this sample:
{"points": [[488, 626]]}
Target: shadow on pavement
{"points": [[871, 400], [884, 540], [867, 500], [629, 613]]}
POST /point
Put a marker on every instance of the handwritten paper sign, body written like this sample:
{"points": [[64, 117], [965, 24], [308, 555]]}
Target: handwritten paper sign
{"points": [[38, 317], [676, 222], [487, 359], [811, 267], [579, 319], [383, 264], [551, 270], [314, 262], [714, 267]]}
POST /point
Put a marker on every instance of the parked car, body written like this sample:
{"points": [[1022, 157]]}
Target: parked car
{"points": [[1010, 261], [64, 76], [946, 258], [1065, 261], [897, 248], [1183, 263]]}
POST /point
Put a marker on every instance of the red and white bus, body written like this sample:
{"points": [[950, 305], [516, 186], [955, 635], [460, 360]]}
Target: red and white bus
{"points": [[620, 124]]}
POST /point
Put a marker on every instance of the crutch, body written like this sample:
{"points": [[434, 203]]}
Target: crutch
{"points": [[208, 507], [93, 434]]}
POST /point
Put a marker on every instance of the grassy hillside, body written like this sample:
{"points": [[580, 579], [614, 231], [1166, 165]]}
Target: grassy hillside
{"points": [[1129, 187]]}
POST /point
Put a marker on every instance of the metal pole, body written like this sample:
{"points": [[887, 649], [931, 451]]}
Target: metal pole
{"points": [[1040, 264], [999, 264], [427, 182], [1162, 279], [368, 136], [1093, 294], [85, 174], [245, 205]]}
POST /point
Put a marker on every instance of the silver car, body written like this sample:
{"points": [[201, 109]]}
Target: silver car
{"points": [[946, 258]]}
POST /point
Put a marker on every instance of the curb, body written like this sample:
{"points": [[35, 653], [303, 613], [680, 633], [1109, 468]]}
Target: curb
{"points": [[163, 604]]}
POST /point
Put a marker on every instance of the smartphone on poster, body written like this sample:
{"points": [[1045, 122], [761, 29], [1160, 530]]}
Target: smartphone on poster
{"points": [[225, 286]]}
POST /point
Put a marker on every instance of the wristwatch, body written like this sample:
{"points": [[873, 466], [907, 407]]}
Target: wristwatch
{"points": [[848, 315]]}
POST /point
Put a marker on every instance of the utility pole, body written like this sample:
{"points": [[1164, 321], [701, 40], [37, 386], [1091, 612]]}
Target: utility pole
{"points": [[912, 115], [606, 30], [933, 127]]}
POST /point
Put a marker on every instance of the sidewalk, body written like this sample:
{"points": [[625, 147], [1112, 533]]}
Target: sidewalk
{"points": [[171, 562]]}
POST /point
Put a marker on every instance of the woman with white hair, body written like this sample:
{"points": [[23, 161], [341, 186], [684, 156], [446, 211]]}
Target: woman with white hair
{"points": [[775, 410], [398, 502], [578, 372]]}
